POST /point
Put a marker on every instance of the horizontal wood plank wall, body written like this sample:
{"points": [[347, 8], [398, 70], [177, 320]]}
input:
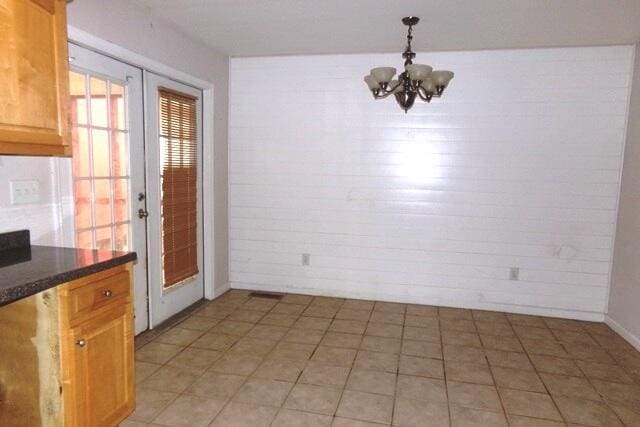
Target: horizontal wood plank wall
{"points": [[518, 165]]}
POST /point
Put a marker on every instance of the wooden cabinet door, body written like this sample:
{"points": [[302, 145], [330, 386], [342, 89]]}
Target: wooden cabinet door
{"points": [[98, 355], [34, 80]]}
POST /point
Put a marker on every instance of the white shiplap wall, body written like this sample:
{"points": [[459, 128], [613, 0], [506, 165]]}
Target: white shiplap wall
{"points": [[518, 165]]}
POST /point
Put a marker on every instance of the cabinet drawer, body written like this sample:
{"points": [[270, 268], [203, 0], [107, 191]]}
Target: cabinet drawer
{"points": [[83, 300]]}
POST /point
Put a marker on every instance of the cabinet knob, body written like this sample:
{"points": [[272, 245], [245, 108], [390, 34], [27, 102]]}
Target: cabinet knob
{"points": [[107, 293], [81, 342]]}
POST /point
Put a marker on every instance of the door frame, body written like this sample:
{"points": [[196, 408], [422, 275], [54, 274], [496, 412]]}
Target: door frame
{"points": [[107, 48]]}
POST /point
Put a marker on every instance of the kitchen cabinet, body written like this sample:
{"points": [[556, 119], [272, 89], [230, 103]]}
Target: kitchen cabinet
{"points": [[74, 345], [34, 78]]}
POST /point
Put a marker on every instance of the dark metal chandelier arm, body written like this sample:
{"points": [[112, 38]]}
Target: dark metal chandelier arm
{"points": [[423, 94]]}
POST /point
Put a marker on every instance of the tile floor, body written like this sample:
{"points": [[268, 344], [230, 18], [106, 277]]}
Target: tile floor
{"points": [[317, 361]]}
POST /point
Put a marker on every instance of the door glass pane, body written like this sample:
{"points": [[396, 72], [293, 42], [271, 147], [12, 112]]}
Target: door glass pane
{"points": [[100, 162]]}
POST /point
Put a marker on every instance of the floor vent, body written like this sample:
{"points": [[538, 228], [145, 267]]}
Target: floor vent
{"points": [[265, 295]]}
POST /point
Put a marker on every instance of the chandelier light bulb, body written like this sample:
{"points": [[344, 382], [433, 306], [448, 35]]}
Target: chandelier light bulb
{"points": [[416, 81]]}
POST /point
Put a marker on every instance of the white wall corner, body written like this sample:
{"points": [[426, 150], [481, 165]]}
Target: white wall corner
{"points": [[219, 290], [622, 331]]}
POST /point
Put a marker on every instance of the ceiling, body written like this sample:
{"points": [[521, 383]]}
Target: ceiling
{"points": [[278, 27]]}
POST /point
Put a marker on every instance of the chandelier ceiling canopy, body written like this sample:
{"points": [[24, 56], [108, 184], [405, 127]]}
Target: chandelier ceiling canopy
{"points": [[417, 80]]}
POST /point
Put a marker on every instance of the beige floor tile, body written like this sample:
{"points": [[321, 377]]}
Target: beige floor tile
{"points": [[214, 384], [529, 404], [474, 396], [555, 365], [190, 411], [288, 309], [458, 325], [574, 337], [422, 310], [316, 323], [319, 374], [313, 398], [356, 304], [421, 334], [246, 316], [561, 385], [421, 388], [454, 313], [350, 314], [259, 304], [418, 413], [564, 324], [588, 353], [468, 373], [303, 336], [348, 326], [170, 378], [386, 330], [468, 417], [420, 366], [365, 406], [268, 332], [350, 422], [602, 371], [245, 415], [428, 349], [630, 415], [213, 341], [133, 423], [297, 299], [263, 392], [587, 412], [294, 351], [179, 336], [459, 353], [252, 346], [532, 332], [422, 322], [526, 320], [199, 323], [291, 418], [518, 379], [387, 317], [376, 361], [275, 319], [470, 339], [320, 311], [158, 353], [508, 359], [381, 344], [144, 370], [196, 360], [378, 382], [232, 327], [390, 307], [620, 393], [543, 347], [327, 302], [489, 316], [334, 356], [149, 403], [236, 364], [495, 329], [339, 339], [280, 369], [215, 312], [493, 342], [519, 421]]}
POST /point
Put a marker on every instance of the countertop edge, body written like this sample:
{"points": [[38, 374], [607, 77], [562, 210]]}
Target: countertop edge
{"points": [[7, 296]]}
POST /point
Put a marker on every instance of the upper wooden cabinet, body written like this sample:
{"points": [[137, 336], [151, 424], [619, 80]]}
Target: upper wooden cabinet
{"points": [[34, 80]]}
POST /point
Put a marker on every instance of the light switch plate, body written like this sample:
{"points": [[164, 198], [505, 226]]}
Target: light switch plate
{"points": [[24, 191]]}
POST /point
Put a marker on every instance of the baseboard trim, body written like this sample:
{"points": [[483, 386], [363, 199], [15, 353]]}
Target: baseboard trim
{"points": [[623, 332], [509, 308]]}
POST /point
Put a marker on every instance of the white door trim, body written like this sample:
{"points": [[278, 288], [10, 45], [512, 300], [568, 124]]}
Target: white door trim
{"points": [[105, 47]]}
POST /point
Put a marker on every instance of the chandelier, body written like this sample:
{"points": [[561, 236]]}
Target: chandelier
{"points": [[416, 80]]}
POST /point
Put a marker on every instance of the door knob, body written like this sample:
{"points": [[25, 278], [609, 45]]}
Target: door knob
{"points": [[81, 342], [142, 213], [107, 293]]}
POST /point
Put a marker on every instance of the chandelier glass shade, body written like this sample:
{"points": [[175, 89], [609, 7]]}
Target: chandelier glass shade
{"points": [[416, 81]]}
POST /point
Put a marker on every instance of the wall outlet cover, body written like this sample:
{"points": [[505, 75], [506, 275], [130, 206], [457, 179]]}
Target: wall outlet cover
{"points": [[24, 191]]}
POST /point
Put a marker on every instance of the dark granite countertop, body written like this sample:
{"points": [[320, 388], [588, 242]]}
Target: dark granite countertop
{"points": [[27, 270]]}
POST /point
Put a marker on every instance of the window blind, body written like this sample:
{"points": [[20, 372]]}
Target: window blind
{"points": [[179, 169]]}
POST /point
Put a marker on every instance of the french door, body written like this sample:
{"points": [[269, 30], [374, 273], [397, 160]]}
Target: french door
{"points": [[137, 177], [174, 199], [108, 161]]}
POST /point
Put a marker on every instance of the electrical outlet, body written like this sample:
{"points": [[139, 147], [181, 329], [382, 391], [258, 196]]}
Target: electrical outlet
{"points": [[514, 273], [306, 259], [24, 191]]}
